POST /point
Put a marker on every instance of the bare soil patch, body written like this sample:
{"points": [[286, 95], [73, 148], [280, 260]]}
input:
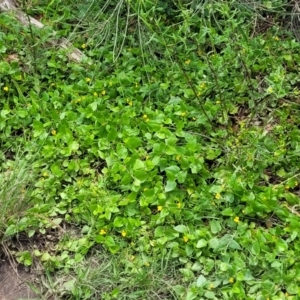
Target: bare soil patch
{"points": [[13, 284]]}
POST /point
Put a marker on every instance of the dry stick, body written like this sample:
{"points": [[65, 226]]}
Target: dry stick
{"points": [[33, 47], [73, 53], [214, 76], [194, 91], [247, 75], [217, 84]]}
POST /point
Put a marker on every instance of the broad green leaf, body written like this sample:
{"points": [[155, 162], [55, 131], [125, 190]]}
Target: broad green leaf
{"points": [[138, 165], [127, 179], [172, 172], [112, 134], [22, 113], [46, 256], [118, 222], [94, 106], [74, 146], [197, 266], [210, 295], [170, 186], [214, 243], [201, 281], [160, 135], [85, 229], [122, 151], [133, 142], [281, 245], [201, 243], [11, 230], [234, 245], [181, 177], [55, 169], [293, 289], [215, 226], [216, 189], [181, 228], [228, 212], [109, 241], [255, 248]]}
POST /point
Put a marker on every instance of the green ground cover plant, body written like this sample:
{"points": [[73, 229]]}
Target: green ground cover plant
{"points": [[168, 158]]}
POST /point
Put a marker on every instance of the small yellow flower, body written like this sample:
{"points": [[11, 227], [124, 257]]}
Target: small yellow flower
{"points": [[5, 89], [187, 62], [270, 90], [231, 280], [186, 239], [287, 187], [218, 196], [236, 219], [276, 38], [131, 258], [83, 46], [52, 84], [123, 233], [211, 286], [88, 79], [159, 208], [218, 101], [102, 231], [183, 114], [146, 264], [145, 116], [103, 92], [45, 174], [178, 157], [179, 204], [95, 94], [110, 83], [53, 132]]}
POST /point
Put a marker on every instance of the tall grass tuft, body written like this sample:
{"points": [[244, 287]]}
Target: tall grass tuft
{"points": [[15, 180]]}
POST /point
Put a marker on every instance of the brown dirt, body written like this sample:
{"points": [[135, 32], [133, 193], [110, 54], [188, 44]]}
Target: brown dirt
{"points": [[13, 283]]}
